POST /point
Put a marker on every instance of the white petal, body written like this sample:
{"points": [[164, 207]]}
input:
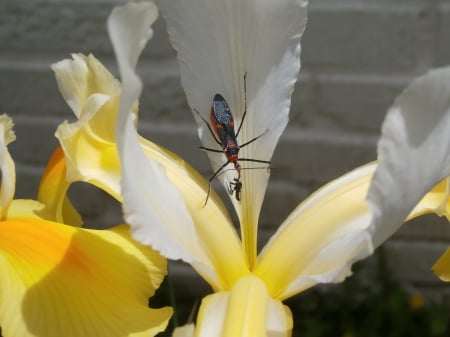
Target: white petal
{"points": [[414, 151], [152, 205], [218, 41], [7, 167]]}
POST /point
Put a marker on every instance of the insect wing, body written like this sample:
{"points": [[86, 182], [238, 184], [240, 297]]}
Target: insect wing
{"points": [[221, 112]]}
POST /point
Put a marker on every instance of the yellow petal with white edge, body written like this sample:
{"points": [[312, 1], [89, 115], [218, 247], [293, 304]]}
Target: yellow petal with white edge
{"points": [[442, 267], [218, 43], [58, 280], [246, 311], [53, 191], [163, 206], [7, 167], [212, 226], [326, 233], [321, 238]]}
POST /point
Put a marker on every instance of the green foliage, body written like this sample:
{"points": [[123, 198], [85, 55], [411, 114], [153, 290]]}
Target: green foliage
{"points": [[379, 308]]}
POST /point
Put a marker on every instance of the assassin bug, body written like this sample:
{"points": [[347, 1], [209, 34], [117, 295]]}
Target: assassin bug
{"points": [[221, 127]]}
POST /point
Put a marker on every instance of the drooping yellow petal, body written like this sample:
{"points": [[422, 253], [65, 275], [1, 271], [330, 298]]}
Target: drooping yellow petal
{"points": [[436, 201], [321, 238], [61, 281], [163, 199], [53, 191], [7, 167], [245, 311], [442, 267], [89, 143]]}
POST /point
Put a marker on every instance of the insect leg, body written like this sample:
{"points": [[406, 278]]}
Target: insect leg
{"points": [[256, 160], [211, 179], [245, 105], [209, 128]]}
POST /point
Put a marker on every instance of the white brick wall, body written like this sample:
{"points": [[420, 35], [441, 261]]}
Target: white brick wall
{"points": [[357, 56]]}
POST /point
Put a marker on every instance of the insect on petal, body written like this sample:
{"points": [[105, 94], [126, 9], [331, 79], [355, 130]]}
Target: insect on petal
{"points": [[220, 41], [159, 211]]}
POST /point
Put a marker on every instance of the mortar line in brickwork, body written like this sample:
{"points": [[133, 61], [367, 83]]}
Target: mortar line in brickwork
{"points": [[375, 6]]}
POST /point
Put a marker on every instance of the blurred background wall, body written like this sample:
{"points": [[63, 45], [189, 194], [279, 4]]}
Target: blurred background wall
{"points": [[357, 55]]}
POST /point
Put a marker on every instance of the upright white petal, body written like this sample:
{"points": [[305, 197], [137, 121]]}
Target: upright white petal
{"points": [[152, 205], [218, 42], [7, 167], [413, 152]]}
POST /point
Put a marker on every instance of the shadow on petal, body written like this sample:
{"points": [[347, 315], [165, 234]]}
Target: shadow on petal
{"points": [[68, 282]]}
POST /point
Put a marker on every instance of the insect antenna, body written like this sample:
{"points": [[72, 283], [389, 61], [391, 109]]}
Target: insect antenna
{"points": [[253, 139], [211, 179]]}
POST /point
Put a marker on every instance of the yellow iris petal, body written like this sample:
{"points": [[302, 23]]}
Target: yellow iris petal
{"points": [[442, 267], [245, 311], [7, 167], [436, 201], [53, 191], [89, 144], [299, 254], [61, 281], [90, 158], [27, 208]]}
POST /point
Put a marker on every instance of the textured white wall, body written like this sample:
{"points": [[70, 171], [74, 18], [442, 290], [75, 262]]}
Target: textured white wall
{"points": [[357, 56]]}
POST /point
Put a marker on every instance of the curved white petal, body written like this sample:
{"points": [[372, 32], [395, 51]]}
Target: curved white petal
{"points": [[218, 42], [7, 167], [321, 238], [142, 179], [414, 151], [153, 206]]}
